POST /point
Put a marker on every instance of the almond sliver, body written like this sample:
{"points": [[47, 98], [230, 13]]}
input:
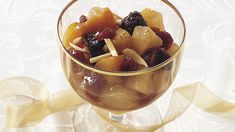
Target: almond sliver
{"points": [[111, 47], [78, 48], [77, 40], [119, 22], [136, 57], [95, 59]]}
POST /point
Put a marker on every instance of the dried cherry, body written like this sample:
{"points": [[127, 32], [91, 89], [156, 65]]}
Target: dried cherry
{"points": [[132, 20], [95, 46]]}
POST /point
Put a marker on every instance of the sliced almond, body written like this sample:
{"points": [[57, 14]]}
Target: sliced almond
{"points": [[119, 22], [77, 40], [136, 57], [111, 47], [95, 59], [85, 49]]}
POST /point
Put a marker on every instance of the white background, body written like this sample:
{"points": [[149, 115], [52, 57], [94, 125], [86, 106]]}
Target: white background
{"points": [[28, 47]]}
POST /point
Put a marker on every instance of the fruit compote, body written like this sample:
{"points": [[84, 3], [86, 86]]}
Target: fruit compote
{"points": [[108, 42]]}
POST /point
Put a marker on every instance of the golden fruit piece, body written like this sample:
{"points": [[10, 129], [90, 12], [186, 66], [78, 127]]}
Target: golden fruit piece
{"points": [[154, 19], [144, 38], [162, 80], [71, 33], [141, 83], [112, 63], [121, 40], [118, 96], [98, 19], [113, 80]]}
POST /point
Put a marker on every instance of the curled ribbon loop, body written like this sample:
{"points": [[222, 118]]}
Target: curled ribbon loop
{"points": [[44, 105]]}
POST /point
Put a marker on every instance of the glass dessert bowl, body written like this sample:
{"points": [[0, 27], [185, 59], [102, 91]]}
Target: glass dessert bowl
{"points": [[118, 62]]}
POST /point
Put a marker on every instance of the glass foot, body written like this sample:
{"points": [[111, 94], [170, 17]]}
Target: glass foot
{"points": [[90, 119]]}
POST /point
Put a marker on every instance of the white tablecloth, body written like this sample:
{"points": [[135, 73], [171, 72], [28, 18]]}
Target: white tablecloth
{"points": [[28, 47]]}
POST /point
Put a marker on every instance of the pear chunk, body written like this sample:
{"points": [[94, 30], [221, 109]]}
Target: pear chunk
{"points": [[121, 40], [144, 38], [141, 83], [119, 96], [112, 63], [154, 19], [98, 19]]}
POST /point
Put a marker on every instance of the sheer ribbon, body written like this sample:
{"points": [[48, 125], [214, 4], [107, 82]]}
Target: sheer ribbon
{"points": [[25, 115]]}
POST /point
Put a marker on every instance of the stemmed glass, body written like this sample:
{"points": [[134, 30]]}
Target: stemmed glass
{"points": [[119, 94]]}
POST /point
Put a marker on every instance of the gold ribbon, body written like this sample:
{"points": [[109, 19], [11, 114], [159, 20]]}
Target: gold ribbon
{"points": [[44, 105]]}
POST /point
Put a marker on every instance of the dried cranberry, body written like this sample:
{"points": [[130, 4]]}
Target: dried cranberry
{"points": [[166, 38], [129, 64], [77, 54], [106, 33], [82, 19], [132, 20], [81, 45], [95, 46]]}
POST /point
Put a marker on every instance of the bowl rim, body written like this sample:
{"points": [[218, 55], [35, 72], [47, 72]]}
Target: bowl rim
{"points": [[121, 73]]}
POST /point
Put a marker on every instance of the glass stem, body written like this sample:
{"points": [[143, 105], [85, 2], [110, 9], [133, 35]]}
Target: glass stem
{"points": [[116, 117]]}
